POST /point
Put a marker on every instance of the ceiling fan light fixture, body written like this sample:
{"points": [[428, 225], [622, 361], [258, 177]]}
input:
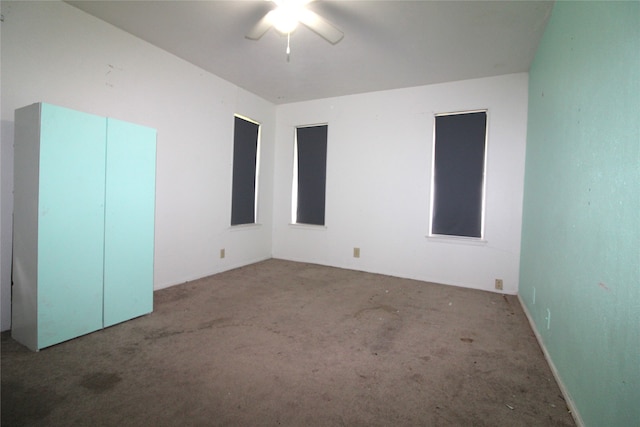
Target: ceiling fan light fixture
{"points": [[285, 17]]}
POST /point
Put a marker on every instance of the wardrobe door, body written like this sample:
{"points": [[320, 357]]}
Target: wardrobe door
{"points": [[129, 222], [70, 224], [24, 292]]}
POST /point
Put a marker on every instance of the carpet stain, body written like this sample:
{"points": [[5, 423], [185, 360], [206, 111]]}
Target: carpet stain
{"points": [[172, 294], [20, 403], [129, 350], [100, 382], [442, 352], [469, 340], [418, 378], [211, 323], [386, 336], [161, 333], [510, 307], [380, 326], [380, 308]]}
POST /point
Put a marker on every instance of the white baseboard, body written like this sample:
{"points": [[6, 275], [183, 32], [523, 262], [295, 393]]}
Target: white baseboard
{"points": [[563, 389]]}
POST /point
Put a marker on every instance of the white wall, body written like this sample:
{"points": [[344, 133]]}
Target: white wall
{"points": [[378, 183], [379, 156], [53, 52]]}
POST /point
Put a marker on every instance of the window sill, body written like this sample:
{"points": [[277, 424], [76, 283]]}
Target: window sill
{"points": [[460, 240], [243, 227], [308, 226]]}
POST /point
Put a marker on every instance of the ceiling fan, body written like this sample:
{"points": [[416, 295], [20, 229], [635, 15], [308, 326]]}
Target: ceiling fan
{"points": [[286, 17]]}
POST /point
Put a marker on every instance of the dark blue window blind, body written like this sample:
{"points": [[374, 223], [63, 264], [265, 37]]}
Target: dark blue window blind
{"points": [[312, 173], [460, 141], [245, 154]]}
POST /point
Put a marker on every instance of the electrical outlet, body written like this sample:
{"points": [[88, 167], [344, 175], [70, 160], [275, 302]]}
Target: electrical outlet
{"points": [[356, 252], [499, 284], [222, 254], [548, 319]]}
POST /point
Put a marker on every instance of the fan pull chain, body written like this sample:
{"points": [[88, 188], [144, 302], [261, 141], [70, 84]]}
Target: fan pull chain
{"points": [[288, 47]]}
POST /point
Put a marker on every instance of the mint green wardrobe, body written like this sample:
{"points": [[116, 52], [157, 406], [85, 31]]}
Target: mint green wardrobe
{"points": [[84, 207]]}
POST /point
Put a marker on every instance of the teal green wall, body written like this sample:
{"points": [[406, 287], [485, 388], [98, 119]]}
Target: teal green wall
{"points": [[581, 225]]}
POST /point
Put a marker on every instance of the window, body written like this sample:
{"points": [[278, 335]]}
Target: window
{"points": [[244, 194], [457, 207], [310, 173]]}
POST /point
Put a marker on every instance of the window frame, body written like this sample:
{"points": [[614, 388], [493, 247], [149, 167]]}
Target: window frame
{"points": [[256, 184], [483, 201], [295, 180]]}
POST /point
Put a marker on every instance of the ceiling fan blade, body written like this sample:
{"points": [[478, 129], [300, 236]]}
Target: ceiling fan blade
{"points": [[261, 27], [321, 26], [297, 2]]}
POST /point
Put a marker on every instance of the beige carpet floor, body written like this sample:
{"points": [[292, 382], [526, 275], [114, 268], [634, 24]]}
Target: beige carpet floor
{"points": [[280, 343]]}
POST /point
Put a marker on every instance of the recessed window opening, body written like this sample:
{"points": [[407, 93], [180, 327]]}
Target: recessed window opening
{"points": [[309, 175], [458, 174], [246, 165]]}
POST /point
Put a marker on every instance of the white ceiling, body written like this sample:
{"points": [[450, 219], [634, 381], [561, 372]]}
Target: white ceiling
{"points": [[387, 44]]}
